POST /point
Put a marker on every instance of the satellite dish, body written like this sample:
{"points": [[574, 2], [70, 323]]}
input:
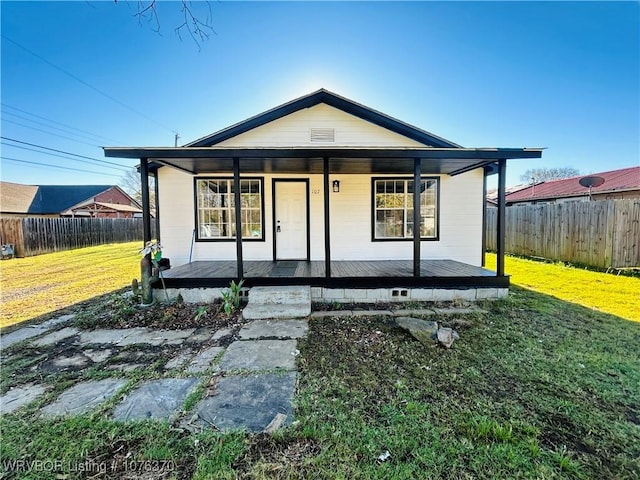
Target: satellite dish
{"points": [[591, 181]]}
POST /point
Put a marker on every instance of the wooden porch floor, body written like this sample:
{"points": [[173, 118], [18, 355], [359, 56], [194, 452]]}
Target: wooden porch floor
{"points": [[356, 274]]}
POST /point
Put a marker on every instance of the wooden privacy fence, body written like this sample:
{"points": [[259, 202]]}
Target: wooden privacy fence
{"points": [[35, 236], [603, 233]]}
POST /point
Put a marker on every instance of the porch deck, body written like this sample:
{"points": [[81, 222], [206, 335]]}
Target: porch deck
{"points": [[354, 274]]}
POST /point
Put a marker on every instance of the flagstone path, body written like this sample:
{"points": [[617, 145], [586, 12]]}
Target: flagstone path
{"points": [[248, 384], [238, 379]]}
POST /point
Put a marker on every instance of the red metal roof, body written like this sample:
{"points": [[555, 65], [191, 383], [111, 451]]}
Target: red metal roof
{"points": [[614, 181]]}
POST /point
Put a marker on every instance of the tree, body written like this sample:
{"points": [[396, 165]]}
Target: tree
{"points": [[196, 23], [542, 174], [130, 183]]}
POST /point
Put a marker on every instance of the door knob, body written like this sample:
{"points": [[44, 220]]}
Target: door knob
{"points": [[278, 228]]}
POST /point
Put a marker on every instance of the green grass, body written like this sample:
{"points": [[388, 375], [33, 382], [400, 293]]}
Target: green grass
{"points": [[615, 294], [535, 388], [42, 284], [542, 386]]}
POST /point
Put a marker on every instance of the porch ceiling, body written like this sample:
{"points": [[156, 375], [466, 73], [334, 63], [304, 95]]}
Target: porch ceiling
{"points": [[344, 160]]}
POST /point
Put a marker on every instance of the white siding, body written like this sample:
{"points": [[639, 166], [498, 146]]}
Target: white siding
{"points": [[295, 130], [460, 221]]}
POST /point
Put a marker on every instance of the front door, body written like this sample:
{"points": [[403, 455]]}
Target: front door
{"points": [[290, 219]]}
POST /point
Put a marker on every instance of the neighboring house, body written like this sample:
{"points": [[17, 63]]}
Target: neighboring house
{"points": [[492, 195], [101, 201], [618, 184], [325, 198]]}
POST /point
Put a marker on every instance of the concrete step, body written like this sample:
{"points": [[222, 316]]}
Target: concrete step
{"points": [[278, 302]]}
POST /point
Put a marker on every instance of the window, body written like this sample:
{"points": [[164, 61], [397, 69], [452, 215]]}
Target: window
{"points": [[216, 211], [393, 208]]}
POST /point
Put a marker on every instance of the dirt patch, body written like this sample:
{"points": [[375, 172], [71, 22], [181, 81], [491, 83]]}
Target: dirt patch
{"points": [[287, 455], [119, 311], [122, 461]]}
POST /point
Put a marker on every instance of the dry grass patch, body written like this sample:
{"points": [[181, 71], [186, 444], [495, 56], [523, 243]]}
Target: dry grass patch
{"points": [[42, 284]]}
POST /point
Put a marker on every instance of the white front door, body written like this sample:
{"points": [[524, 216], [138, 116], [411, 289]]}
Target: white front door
{"points": [[291, 220]]}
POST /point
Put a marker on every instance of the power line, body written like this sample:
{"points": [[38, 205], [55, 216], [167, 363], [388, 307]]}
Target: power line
{"points": [[104, 94], [50, 133], [56, 166], [62, 156], [60, 151], [59, 123], [65, 130]]}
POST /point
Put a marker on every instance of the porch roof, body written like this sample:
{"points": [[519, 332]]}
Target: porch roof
{"points": [[344, 159]]}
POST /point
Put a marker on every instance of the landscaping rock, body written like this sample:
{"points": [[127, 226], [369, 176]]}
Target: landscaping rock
{"points": [[254, 402], [159, 399], [446, 336], [20, 396], [82, 397], [422, 330]]}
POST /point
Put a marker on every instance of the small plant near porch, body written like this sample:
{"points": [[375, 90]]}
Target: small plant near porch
{"points": [[231, 297]]}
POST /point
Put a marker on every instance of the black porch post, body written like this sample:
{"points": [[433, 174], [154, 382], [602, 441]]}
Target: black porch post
{"points": [[502, 172], [144, 191], [417, 173], [145, 263], [484, 217], [327, 232], [236, 196], [157, 209]]}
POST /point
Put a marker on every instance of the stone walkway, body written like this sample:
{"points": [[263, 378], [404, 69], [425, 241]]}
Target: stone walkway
{"points": [[248, 384], [237, 379]]}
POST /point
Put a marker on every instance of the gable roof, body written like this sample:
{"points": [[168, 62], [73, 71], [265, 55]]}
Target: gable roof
{"points": [[614, 181], [102, 207], [16, 198], [336, 101], [44, 199]]}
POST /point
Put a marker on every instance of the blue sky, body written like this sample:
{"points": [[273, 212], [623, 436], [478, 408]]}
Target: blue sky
{"points": [[565, 76]]}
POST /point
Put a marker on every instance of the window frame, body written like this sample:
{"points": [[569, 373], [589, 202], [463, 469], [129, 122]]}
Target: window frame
{"points": [[199, 238], [406, 179]]}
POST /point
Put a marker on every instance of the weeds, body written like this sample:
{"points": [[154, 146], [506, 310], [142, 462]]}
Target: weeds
{"points": [[231, 297]]}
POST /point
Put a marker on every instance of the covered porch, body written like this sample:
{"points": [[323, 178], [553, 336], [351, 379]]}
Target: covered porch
{"points": [[414, 272], [344, 274]]}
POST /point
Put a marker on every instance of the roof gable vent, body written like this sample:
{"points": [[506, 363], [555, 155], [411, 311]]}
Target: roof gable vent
{"points": [[323, 135]]}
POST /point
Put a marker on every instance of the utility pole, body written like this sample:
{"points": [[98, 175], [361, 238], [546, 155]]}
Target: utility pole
{"points": [[175, 140]]}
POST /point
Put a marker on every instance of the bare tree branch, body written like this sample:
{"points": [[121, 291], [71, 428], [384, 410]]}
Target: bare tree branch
{"points": [[199, 31], [148, 9], [542, 174], [196, 24]]}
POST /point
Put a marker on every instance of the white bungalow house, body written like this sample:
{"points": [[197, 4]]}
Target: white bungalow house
{"points": [[321, 191]]}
